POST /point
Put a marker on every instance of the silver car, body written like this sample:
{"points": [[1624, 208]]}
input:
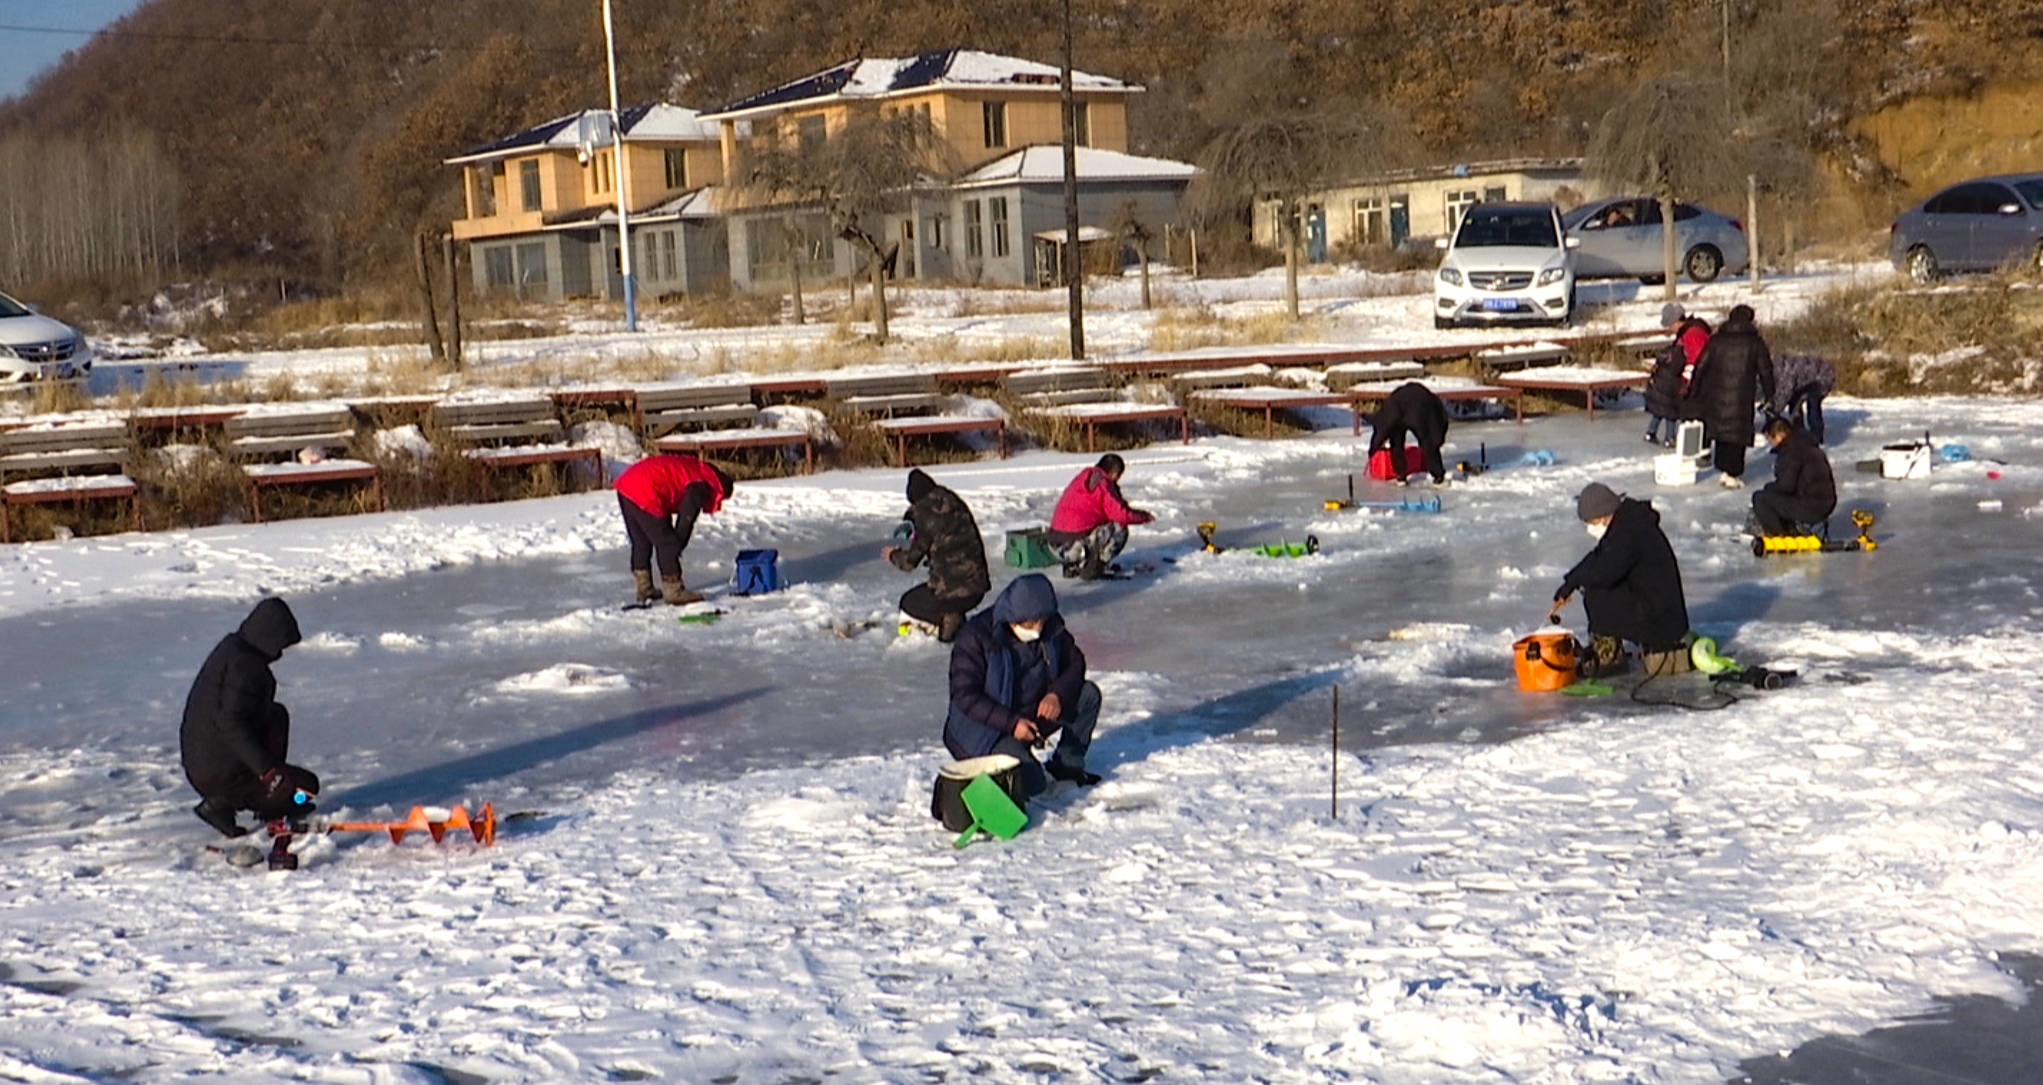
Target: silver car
{"points": [[1973, 226], [35, 347], [1621, 240]]}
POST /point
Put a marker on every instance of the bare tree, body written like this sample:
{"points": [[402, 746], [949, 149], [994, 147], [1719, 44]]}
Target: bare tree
{"points": [[1129, 223], [858, 174], [1670, 136], [1268, 147]]}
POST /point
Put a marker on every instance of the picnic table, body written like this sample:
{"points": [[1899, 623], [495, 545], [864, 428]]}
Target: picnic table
{"points": [[928, 425], [1094, 415], [1586, 380]]}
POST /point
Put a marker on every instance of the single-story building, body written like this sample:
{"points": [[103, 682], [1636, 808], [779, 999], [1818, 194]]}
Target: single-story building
{"points": [[1395, 207]]}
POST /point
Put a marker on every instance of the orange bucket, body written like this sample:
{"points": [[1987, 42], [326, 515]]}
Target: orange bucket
{"points": [[1545, 661]]}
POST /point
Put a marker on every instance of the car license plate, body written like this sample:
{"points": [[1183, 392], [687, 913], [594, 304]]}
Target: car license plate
{"points": [[1501, 305]]}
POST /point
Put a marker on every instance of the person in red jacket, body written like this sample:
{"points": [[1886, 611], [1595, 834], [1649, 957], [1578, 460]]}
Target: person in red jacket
{"points": [[1092, 520], [660, 497]]}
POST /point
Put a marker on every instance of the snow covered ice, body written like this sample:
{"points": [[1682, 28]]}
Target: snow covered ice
{"points": [[733, 874]]}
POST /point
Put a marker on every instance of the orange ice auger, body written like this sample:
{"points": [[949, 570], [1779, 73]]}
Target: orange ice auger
{"points": [[482, 825]]}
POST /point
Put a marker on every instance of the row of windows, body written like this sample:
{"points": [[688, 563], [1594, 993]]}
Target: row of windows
{"points": [[993, 123], [655, 254], [600, 168]]}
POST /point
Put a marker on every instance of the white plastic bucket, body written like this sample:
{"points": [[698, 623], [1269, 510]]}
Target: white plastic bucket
{"points": [[1674, 469], [1911, 460]]}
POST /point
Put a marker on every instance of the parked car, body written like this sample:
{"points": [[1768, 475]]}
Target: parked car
{"points": [[1972, 226], [1621, 240], [35, 347], [1507, 262]]}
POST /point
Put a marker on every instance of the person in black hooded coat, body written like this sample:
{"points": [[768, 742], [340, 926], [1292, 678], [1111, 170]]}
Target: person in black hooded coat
{"points": [[1411, 408], [235, 734], [1018, 676], [1631, 582], [944, 535], [1734, 370]]}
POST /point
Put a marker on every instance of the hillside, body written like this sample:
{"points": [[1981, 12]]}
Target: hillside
{"points": [[303, 139]]}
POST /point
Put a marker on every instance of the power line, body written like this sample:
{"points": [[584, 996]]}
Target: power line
{"points": [[239, 39]]}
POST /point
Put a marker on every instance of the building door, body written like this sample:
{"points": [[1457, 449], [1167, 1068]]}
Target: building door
{"points": [[1316, 235], [1400, 221]]}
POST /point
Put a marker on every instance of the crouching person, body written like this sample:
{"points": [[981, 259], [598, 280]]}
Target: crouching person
{"points": [[235, 735], [946, 537], [1090, 525], [1018, 677], [1630, 585]]}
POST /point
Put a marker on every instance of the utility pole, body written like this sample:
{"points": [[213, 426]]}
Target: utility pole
{"points": [[622, 180], [1074, 277]]}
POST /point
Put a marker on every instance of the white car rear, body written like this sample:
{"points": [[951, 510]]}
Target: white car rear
{"points": [[35, 347], [1507, 263]]}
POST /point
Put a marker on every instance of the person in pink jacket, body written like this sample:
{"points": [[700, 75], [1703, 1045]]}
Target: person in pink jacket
{"points": [[1092, 520]]}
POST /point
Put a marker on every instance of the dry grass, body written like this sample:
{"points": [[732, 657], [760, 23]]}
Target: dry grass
{"points": [[169, 388], [1966, 336], [1188, 328], [1007, 302], [57, 397], [723, 310]]}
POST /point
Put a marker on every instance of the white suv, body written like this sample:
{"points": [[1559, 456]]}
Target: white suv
{"points": [[1507, 262], [35, 347]]}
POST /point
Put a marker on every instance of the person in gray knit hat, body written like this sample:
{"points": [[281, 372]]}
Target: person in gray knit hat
{"points": [[1630, 585]]}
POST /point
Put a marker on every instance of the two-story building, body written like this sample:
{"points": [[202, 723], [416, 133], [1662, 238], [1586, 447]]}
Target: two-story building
{"points": [[542, 206], [1001, 117]]}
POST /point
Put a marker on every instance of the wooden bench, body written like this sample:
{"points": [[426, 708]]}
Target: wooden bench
{"points": [[1347, 375], [1269, 399], [903, 428], [664, 408], [529, 420], [751, 437], [1059, 386], [1239, 376], [62, 448], [1581, 379], [905, 394], [287, 432], [1643, 346], [1526, 356], [1449, 389], [490, 421]]}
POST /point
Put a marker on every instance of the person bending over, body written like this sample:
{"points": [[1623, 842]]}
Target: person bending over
{"points": [[1411, 408], [661, 496]]}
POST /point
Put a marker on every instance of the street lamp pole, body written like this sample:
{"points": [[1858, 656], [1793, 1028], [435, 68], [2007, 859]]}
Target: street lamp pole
{"points": [[623, 180], [1074, 277]]}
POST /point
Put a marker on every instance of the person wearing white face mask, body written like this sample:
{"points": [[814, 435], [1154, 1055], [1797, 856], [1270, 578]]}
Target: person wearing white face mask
{"points": [[1630, 585], [1018, 677]]}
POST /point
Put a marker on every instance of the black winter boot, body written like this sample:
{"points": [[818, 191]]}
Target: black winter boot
{"points": [[220, 816], [1077, 776], [1604, 658]]}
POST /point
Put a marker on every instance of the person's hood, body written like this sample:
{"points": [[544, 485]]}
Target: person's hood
{"points": [[1737, 327], [270, 628], [919, 485], [1026, 599]]}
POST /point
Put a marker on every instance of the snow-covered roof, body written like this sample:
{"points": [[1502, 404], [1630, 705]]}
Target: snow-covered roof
{"points": [[656, 122], [880, 77], [696, 203], [1045, 163]]}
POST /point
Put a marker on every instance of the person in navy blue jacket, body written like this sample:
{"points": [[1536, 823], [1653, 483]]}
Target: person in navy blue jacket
{"points": [[1018, 677]]}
